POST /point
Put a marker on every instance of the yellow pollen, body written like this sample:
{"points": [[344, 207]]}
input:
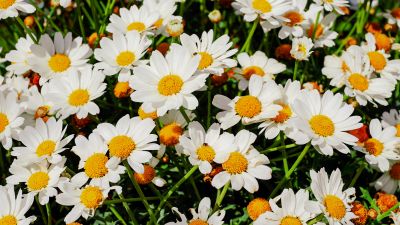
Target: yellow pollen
{"points": [[206, 153], [139, 26], [252, 70], [290, 220], [78, 97], [236, 163], [396, 13], [294, 17], [378, 61], [302, 48], [257, 207], [322, 125], [345, 67], [3, 122], [318, 32], [262, 5], [248, 106], [198, 222], [283, 115], [144, 115], [158, 23], [95, 165], [125, 58], [9, 219], [59, 63], [373, 146], [37, 181], [121, 146], [398, 130], [4, 4], [46, 148], [205, 61], [41, 111], [382, 41], [335, 206], [147, 176], [358, 82], [91, 197], [395, 171], [170, 85], [169, 134], [122, 90]]}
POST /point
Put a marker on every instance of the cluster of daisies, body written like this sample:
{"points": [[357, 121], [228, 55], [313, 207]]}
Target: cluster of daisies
{"points": [[53, 78]]}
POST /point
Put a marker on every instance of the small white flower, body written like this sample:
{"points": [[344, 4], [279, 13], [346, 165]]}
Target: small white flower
{"points": [[19, 57], [333, 5], [301, 48], [11, 8], [389, 182], [322, 35], [393, 16], [13, 208], [10, 119], [391, 118]]}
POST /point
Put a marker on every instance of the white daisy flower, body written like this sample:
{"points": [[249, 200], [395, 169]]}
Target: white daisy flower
{"points": [[382, 146], [58, 58], [11, 8], [257, 64], [324, 120], [75, 93], [301, 48], [129, 139], [38, 104], [44, 141], [392, 118], [271, 127], [140, 19], [174, 27], [165, 8], [333, 5], [18, 84], [10, 119], [150, 174], [242, 165], [215, 55], [121, 53], [389, 182], [13, 208], [255, 107], [19, 57], [169, 81], [331, 199], [203, 147], [292, 211], [204, 215], [323, 36], [393, 16], [40, 178]]}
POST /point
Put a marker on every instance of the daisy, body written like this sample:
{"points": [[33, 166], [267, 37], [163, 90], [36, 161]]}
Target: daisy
{"points": [[271, 127], [204, 215], [129, 139], [13, 208], [324, 120], [242, 165], [10, 119], [38, 104], [322, 35], [214, 55], [333, 5], [140, 19], [382, 146], [58, 58], [301, 48], [18, 84], [121, 53], [84, 199], [255, 107], [292, 211], [258, 64], [393, 16], [11, 8], [40, 178], [331, 199], [174, 27], [169, 81], [150, 174], [19, 57], [391, 118], [75, 93], [203, 147], [165, 8], [43, 141], [389, 182]]}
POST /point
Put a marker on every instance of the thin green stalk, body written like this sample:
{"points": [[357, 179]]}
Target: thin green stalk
{"points": [[315, 25], [196, 191], [344, 41], [128, 209], [284, 154], [357, 174], [116, 214], [116, 201], [78, 8], [387, 213], [316, 219], [246, 45], [26, 29], [41, 209], [209, 102], [182, 110], [48, 210], [279, 148], [221, 196], [296, 65], [94, 12]]}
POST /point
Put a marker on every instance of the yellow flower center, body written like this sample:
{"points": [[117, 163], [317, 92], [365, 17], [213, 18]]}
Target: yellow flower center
{"points": [[198, 222], [78, 97], [395, 171], [139, 26], [121, 146], [236, 163], [45, 148], [373, 146], [206, 153], [382, 41], [125, 58], [398, 130], [283, 115], [122, 90], [74, 223], [169, 134], [358, 82], [335, 206], [4, 4], [318, 32], [147, 176], [294, 17], [378, 61], [205, 61], [3, 122], [59, 63], [41, 111], [302, 48], [95, 165], [345, 67], [262, 5], [38, 181], [248, 106], [158, 23], [144, 115], [257, 207], [9, 219], [91, 197], [290, 220], [170, 85], [396, 13], [251, 70], [322, 125]]}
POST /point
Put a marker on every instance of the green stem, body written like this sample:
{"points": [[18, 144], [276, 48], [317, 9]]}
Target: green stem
{"points": [[116, 201], [182, 110], [41, 209], [48, 210], [78, 8], [196, 191], [221, 196], [116, 214], [246, 45], [94, 12], [296, 65], [387, 213], [344, 41], [128, 209], [316, 25], [284, 154], [316, 219], [358, 174], [26, 29]]}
